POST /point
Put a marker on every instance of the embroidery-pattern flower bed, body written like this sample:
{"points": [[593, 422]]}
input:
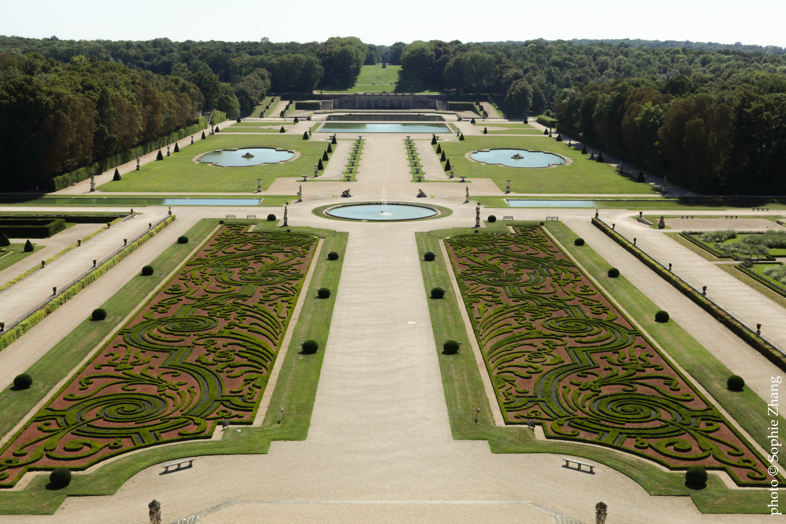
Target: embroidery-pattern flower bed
{"points": [[560, 353], [199, 352]]}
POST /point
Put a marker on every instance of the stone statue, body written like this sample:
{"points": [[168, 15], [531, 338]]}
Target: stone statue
{"points": [[600, 513], [345, 194], [507, 189], [661, 223], [596, 212], [259, 185], [477, 216], [421, 194], [467, 200], [300, 193], [92, 181], [285, 214], [154, 509], [137, 163]]}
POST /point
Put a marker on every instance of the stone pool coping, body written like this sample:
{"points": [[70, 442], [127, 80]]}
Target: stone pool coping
{"points": [[323, 211], [198, 159], [469, 154], [448, 131]]}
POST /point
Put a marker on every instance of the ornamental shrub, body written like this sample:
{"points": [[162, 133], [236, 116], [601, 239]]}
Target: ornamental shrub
{"points": [[437, 292], [485, 131], [600, 157], [60, 477], [29, 247], [329, 149], [271, 217], [447, 165], [614, 272], [23, 381], [182, 240], [492, 218], [4, 242], [443, 157], [439, 149], [309, 347], [282, 130], [147, 271], [297, 120], [239, 119], [323, 292], [578, 242], [325, 156], [433, 139], [735, 383], [472, 121], [332, 141], [461, 137], [545, 131], [177, 148], [584, 150], [429, 256], [450, 347], [116, 176], [661, 316], [98, 314], [559, 138], [641, 178], [696, 477], [159, 156], [218, 129], [203, 135], [332, 255], [305, 135]]}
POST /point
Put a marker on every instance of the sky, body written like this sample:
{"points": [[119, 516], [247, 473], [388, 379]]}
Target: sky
{"points": [[380, 22]]}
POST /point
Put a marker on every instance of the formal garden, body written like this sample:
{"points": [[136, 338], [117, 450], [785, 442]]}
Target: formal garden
{"points": [[197, 354], [737, 244]]}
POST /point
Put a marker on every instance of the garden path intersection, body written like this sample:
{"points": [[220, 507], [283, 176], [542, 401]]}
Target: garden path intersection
{"points": [[380, 447]]}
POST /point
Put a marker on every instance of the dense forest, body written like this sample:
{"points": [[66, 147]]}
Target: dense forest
{"points": [[596, 89]]}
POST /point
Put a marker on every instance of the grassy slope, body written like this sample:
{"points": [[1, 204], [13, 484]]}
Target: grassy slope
{"points": [[583, 176], [295, 391], [464, 389], [180, 174]]}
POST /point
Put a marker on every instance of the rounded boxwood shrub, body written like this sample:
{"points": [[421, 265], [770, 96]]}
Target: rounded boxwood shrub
{"points": [[661, 316], [147, 271], [696, 477], [310, 347], [4, 241], [492, 218], [271, 217], [29, 247], [429, 256], [23, 381], [60, 477], [735, 383], [450, 347], [323, 292], [332, 255], [578, 242], [437, 292], [98, 314], [614, 272], [182, 240]]}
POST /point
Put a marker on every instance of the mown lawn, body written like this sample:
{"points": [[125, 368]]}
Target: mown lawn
{"points": [[583, 176]]}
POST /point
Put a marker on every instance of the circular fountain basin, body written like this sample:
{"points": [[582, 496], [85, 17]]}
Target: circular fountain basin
{"points": [[527, 158], [381, 212], [248, 156]]}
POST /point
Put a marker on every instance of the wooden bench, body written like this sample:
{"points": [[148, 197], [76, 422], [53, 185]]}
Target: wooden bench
{"points": [[507, 217], [578, 465], [552, 219], [230, 216], [179, 465]]}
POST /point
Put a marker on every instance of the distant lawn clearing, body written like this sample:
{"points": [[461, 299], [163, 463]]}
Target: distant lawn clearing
{"points": [[179, 173], [583, 176]]}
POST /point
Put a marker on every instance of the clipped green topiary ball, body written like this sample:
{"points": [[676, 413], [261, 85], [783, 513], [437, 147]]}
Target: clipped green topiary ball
{"points": [[578, 242], [271, 217], [735, 383], [323, 292], [450, 347], [310, 347], [429, 256], [98, 314], [23, 381], [60, 477], [437, 292], [182, 240], [332, 255], [147, 271], [661, 316], [696, 477], [492, 218], [614, 272]]}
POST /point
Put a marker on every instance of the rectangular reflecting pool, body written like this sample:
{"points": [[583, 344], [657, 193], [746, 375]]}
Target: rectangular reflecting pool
{"points": [[211, 201], [551, 203], [411, 128]]}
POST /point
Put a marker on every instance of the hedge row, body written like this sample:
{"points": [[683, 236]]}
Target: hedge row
{"points": [[83, 173], [463, 106], [216, 117], [308, 105], [77, 219], [31, 227], [770, 352], [763, 280], [27, 324], [546, 121], [716, 253]]}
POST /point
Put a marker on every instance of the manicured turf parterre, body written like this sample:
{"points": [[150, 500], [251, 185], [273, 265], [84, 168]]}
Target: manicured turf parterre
{"points": [[14, 253], [199, 352], [179, 173], [583, 176]]}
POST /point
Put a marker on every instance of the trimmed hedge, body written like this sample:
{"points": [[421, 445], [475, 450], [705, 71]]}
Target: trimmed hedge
{"points": [[450, 347], [182, 239], [29, 248], [546, 121], [614, 272], [578, 242], [216, 117], [492, 218], [83, 173], [735, 383], [463, 106], [98, 314], [271, 217], [23, 381], [31, 227], [770, 352], [332, 255], [323, 292], [147, 271], [437, 292], [60, 477], [661, 316], [696, 477], [429, 256], [4, 242], [309, 347], [308, 106]]}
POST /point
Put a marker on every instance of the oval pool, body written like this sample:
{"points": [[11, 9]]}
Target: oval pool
{"points": [[377, 211], [248, 156], [528, 158]]}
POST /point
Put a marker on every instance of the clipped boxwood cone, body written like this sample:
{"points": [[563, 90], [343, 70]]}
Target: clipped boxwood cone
{"points": [[29, 247], [437, 292]]}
